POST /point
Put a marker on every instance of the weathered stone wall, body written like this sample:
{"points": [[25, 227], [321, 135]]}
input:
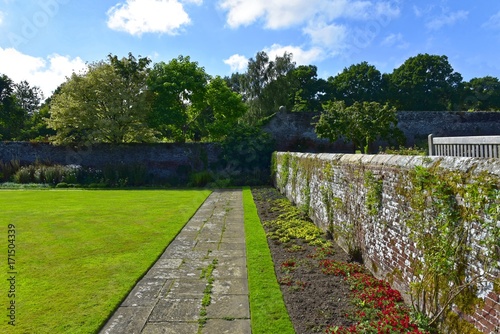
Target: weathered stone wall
{"points": [[295, 131], [163, 161], [366, 201]]}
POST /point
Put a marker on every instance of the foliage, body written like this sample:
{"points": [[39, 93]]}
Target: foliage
{"points": [[107, 104], [361, 123], [293, 224], [361, 82], [83, 251], [267, 85], [374, 188], [481, 94], [8, 169], [379, 308], [309, 91], [12, 115], [120, 175], [50, 175], [178, 89], [449, 213], [224, 108], [415, 150], [424, 83], [247, 150], [269, 314]]}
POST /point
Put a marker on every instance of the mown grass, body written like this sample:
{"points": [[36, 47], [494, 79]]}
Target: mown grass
{"points": [[78, 253], [267, 308]]}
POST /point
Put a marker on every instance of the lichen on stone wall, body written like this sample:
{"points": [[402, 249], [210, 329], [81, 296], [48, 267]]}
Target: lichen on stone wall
{"points": [[430, 225]]}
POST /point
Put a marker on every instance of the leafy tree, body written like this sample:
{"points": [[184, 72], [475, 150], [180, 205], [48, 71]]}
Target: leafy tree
{"points": [[108, 103], [361, 82], [481, 94], [425, 82], [236, 82], [308, 91], [267, 85], [29, 98], [362, 123], [178, 90], [224, 108], [12, 115]]}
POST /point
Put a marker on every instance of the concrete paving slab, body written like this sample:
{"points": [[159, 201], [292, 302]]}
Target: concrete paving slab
{"points": [[230, 271], [180, 309], [146, 292], [168, 263], [186, 288], [231, 246], [228, 306], [171, 328], [127, 320], [233, 286], [221, 326]]}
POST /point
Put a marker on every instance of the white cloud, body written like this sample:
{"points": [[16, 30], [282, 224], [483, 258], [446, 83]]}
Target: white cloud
{"points": [[137, 17], [279, 14], [238, 63], [47, 74], [396, 40], [493, 22], [300, 56], [330, 36], [2, 15], [447, 19]]}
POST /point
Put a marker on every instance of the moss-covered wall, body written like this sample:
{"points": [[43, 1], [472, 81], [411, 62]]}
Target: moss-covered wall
{"points": [[430, 225]]}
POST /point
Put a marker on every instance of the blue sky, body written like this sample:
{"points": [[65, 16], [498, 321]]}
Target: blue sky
{"points": [[43, 41]]}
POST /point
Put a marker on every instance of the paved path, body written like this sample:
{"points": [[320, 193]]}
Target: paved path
{"points": [[169, 297]]}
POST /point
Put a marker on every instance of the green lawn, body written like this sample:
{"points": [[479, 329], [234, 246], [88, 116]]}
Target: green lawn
{"points": [[78, 253], [269, 314]]}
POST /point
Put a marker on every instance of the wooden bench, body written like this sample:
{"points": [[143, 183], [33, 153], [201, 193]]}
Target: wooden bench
{"points": [[474, 146]]}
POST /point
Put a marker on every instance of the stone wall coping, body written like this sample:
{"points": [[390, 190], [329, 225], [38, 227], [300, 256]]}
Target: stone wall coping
{"points": [[460, 164]]}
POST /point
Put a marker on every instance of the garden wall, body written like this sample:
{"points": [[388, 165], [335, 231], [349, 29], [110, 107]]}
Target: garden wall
{"points": [[163, 161], [407, 216], [295, 132]]}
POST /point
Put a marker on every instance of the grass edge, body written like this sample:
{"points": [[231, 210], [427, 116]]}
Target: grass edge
{"points": [[266, 316]]}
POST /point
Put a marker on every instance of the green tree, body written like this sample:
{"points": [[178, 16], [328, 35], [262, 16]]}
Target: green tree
{"points": [[109, 103], [29, 98], [12, 115], [361, 82], [425, 83], [178, 89], [224, 108], [362, 123], [267, 85], [308, 91], [481, 94]]}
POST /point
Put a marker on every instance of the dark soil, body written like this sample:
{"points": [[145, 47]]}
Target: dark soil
{"points": [[314, 300]]}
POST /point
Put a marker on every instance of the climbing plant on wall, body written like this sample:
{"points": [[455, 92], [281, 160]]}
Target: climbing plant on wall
{"points": [[449, 212]]}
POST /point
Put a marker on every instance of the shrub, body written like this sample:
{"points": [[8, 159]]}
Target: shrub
{"points": [[8, 169], [200, 179], [25, 175], [247, 154]]}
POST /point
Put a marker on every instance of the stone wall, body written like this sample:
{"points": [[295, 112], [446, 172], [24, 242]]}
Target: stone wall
{"points": [[295, 131], [163, 161], [368, 201]]}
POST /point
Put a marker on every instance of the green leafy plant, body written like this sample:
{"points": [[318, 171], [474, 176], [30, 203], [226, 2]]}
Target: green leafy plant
{"points": [[379, 308], [448, 209]]}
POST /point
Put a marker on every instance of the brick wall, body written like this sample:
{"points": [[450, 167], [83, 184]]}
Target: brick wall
{"points": [[295, 131], [163, 161], [339, 191]]}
